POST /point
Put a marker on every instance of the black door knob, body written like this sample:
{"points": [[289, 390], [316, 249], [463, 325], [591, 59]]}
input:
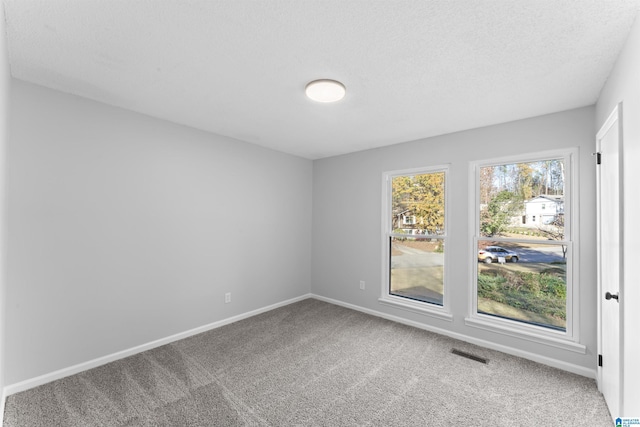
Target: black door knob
{"points": [[609, 296]]}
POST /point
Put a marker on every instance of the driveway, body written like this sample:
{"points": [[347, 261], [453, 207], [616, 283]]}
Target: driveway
{"points": [[416, 258]]}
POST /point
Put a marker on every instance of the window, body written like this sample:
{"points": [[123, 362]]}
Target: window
{"points": [[524, 280], [408, 220], [414, 240]]}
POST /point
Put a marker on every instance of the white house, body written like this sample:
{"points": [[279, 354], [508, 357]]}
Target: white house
{"points": [[542, 210], [411, 224]]}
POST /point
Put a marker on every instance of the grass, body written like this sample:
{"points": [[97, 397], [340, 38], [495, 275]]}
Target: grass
{"points": [[492, 307], [524, 292]]}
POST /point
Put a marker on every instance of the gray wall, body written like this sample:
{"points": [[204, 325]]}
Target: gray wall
{"points": [[5, 85], [623, 86], [125, 229], [347, 218]]}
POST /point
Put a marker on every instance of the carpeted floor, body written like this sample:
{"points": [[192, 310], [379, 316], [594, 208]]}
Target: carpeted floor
{"points": [[314, 364]]}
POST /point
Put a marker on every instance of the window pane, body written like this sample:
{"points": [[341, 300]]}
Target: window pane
{"points": [[526, 282], [523, 199], [417, 269], [418, 204]]}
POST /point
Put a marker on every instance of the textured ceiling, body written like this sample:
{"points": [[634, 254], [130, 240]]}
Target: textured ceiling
{"points": [[412, 69]]}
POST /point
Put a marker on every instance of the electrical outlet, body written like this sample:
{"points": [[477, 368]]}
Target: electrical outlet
{"points": [[227, 297], [362, 284]]}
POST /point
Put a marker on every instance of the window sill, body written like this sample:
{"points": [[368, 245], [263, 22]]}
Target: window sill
{"points": [[492, 326], [423, 308]]}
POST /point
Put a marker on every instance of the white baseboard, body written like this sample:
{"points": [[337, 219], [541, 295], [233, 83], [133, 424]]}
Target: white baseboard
{"points": [[559, 364], [72, 370]]}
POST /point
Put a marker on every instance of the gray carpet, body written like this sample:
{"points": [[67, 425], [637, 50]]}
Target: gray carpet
{"points": [[313, 364]]}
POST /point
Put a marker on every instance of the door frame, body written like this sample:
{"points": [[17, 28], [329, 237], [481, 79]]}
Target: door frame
{"points": [[614, 119]]}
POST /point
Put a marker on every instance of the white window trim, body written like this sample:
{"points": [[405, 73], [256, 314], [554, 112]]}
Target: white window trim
{"points": [[569, 339], [440, 312]]}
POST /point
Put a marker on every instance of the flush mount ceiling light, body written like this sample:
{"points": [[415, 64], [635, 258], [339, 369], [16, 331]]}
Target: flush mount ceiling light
{"points": [[325, 90]]}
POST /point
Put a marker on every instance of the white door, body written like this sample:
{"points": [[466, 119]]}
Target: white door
{"points": [[610, 261]]}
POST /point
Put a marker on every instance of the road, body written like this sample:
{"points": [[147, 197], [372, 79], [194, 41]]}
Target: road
{"points": [[416, 258], [545, 254]]}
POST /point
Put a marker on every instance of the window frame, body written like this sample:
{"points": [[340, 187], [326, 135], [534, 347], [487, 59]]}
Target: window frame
{"points": [[568, 339], [442, 312]]}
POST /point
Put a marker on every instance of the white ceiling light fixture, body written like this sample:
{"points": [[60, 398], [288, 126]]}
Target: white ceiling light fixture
{"points": [[325, 90]]}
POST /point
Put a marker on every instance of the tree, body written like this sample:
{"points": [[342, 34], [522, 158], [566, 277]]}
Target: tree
{"points": [[421, 196], [400, 195], [525, 181], [555, 231], [486, 185], [496, 216]]}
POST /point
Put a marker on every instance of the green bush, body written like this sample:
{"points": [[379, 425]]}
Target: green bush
{"points": [[543, 293]]}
